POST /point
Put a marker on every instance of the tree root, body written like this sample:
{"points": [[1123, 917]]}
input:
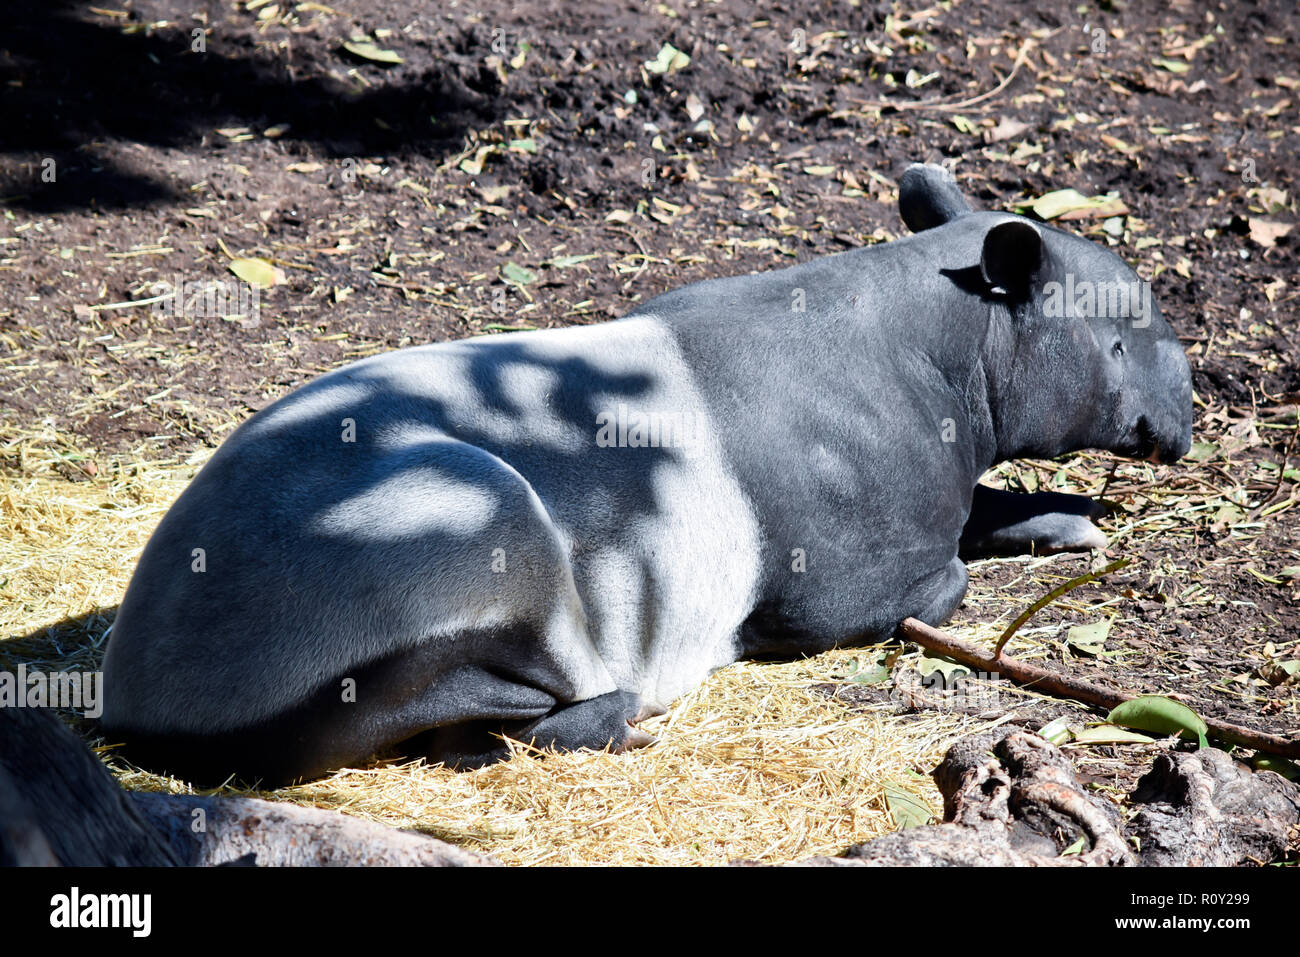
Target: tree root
{"points": [[1012, 799]]}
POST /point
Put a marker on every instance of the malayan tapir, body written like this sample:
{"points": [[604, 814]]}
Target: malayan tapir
{"points": [[544, 534]]}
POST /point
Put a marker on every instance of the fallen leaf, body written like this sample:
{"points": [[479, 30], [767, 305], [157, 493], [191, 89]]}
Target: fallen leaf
{"points": [[1006, 129], [1161, 716], [873, 671], [369, 51], [1267, 233], [517, 275], [1057, 730], [669, 60], [257, 272], [952, 671], [474, 165], [1267, 762], [1117, 144], [694, 108], [906, 808], [1111, 734], [1089, 639], [564, 262], [1071, 204], [1272, 199], [1278, 673]]}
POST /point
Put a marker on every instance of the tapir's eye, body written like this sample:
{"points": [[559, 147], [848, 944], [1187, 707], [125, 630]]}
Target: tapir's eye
{"points": [[1118, 348]]}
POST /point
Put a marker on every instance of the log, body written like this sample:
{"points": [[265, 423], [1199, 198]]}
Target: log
{"points": [[1012, 799], [60, 805], [1205, 810], [208, 831]]}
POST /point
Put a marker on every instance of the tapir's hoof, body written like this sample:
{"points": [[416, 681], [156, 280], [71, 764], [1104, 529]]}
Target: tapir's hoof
{"points": [[648, 709], [636, 738], [1072, 533]]}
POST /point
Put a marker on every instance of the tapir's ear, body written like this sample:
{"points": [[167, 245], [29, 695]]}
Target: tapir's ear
{"points": [[1013, 251], [928, 196]]}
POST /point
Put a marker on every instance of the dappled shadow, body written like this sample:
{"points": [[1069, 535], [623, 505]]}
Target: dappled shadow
{"points": [[371, 558], [74, 82], [71, 645], [75, 641]]}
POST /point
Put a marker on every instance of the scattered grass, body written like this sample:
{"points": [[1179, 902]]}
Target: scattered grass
{"points": [[759, 763]]}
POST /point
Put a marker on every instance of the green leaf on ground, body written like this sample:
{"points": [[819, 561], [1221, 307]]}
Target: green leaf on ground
{"points": [[906, 808], [370, 51], [257, 272], [1111, 734], [517, 274], [1160, 715], [669, 60], [1089, 639]]}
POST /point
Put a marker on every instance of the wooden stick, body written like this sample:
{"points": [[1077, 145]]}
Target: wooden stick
{"points": [[1063, 686], [939, 104]]}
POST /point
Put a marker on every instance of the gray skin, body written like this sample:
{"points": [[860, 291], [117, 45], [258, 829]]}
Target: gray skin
{"points": [[435, 547]]}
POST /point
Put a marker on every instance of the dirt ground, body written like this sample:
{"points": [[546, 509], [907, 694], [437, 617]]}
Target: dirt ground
{"points": [[531, 164]]}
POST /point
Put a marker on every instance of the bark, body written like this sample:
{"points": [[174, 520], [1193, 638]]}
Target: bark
{"points": [[205, 831], [1206, 810], [1012, 799]]}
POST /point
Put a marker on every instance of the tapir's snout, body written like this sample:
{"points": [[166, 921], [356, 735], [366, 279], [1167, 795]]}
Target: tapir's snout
{"points": [[1167, 425], [1166, 451]]}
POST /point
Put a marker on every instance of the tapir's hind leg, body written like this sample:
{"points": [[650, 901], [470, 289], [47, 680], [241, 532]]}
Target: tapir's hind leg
{"points": [[607, 721], [1018, 523], [935, 600]]}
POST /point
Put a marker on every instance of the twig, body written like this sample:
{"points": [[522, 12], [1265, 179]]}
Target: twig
{"points": [[1064, 686], [1051, 596], [959, 104], [132, 302], [1281, 474]]}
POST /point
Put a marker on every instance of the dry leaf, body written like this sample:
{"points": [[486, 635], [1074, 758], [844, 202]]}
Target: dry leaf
{"points": [[1267, 233], [257, 272], [1006, 129]]}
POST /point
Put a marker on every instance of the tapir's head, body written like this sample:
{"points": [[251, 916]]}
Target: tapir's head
{"points": [[1077, 354]]}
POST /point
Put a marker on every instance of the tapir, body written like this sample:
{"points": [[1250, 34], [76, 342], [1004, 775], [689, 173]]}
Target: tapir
{"points": [[543, 536]]}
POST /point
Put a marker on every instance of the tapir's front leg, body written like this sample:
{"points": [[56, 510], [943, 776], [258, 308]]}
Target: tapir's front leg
{"points": [[1016, 523], [608, 721]]}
